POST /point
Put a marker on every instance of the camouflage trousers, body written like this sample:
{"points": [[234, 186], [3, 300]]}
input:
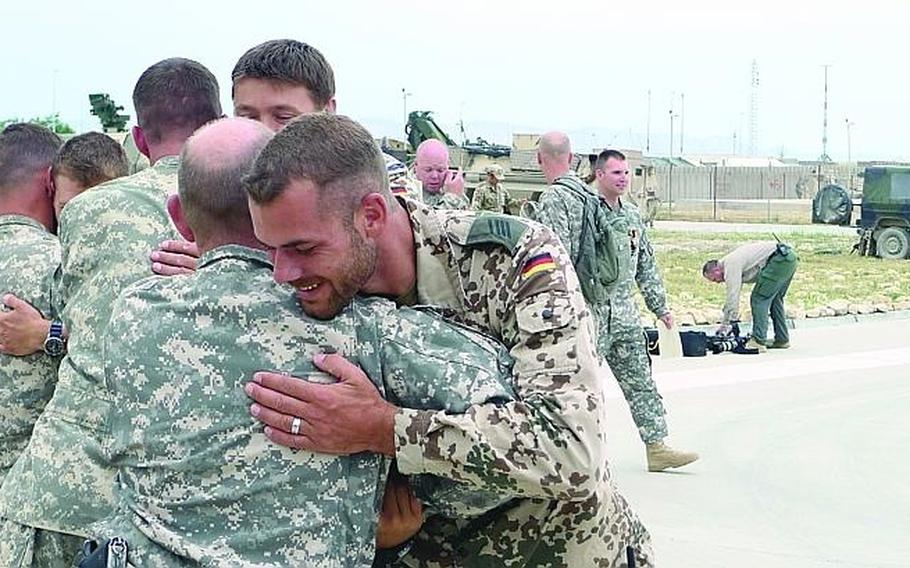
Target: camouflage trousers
{"points": [[22, 546], [627, 355]]}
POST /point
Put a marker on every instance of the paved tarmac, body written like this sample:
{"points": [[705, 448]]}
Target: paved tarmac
{"points": [[805, 454]]}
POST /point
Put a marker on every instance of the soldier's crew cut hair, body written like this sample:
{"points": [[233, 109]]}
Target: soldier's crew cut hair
{"points": [[333, 152], [709, 267], [605, 155], [174, 97], [25, 149], [91, 158], [288, 61]]}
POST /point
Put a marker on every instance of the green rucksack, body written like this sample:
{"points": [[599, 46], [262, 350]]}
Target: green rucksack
{"points": [[597, 262]]}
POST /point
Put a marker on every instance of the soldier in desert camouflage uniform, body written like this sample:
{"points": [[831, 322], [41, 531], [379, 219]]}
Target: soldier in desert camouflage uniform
{"points": [[30, 256], [490, 195], [60, 484], [620, 339], [507, 277], [195, 340]]}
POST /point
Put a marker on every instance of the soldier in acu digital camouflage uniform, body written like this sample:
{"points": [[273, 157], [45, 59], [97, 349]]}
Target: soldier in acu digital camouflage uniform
{"points": [[442, 188], [334, 237], [177, 351], [30, 256], [607, 241], [60, 483]]}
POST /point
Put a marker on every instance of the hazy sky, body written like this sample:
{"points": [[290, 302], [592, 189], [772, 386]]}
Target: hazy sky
{"points": [[511, 66]]}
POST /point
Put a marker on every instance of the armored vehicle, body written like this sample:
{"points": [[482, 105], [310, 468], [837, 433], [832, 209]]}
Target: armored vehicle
{"points": [[884, 224]]}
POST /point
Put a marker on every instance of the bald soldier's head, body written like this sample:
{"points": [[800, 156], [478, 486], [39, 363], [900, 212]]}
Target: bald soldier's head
{"points": [[210, 207], [432, 165], [554, 154]]}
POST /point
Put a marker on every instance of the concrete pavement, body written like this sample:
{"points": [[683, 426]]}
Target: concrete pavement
{"points": [[805, 454]]}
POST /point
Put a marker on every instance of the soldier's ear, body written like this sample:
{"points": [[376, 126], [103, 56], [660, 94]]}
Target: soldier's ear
{"points": [[49, 187], [330, 107], [141, 143], [374, 213], [175, 210]]}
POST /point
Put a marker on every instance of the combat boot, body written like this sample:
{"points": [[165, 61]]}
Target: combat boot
{"points": [[662, 456], [780, 345], [755, 344]]}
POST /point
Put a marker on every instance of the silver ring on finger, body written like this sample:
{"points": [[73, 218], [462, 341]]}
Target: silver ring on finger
{"points": [[295, 426]]}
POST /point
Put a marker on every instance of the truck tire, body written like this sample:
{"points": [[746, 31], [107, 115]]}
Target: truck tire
{"points": [[893, 243]]}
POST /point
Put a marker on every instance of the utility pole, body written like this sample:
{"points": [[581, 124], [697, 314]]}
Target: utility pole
{"points": [[682, 120], [648, 129], [753, 110], [672, 117], [824, 157], [404, 110]]}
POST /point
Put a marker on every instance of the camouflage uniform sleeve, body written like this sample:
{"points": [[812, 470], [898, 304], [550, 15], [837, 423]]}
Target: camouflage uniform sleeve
{"points": [[549, 442], [100, 231], [647, 275], [559, 212], [480, 201]]}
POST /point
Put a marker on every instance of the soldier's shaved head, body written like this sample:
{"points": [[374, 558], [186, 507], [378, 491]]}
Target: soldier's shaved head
{"points": [[555, 144], [554, 154], [213, 163], [432, 149], [431, 165]]}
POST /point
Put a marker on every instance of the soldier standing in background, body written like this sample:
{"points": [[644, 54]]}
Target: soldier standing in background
{"points": [[61, 483], [442, 188], [490, 195], [606, 239], [30, 255]]}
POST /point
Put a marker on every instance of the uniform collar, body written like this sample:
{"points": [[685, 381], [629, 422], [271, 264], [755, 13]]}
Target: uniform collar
{"points": [[21, 220], [235, 252]]}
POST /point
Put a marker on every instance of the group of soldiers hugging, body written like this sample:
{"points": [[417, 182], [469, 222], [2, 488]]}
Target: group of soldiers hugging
{"points": [[277, 346]]}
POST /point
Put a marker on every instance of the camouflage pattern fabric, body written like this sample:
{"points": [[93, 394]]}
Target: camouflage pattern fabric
{"points": [[496, 198], [30, 256], [60, 482], [445, 200], [198, 479], [401, 181], [26, 546], [512, 279], [620, 339]]}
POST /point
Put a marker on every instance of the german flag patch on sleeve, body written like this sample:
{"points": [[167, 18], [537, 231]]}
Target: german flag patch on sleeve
{"points": [[542, 262]]}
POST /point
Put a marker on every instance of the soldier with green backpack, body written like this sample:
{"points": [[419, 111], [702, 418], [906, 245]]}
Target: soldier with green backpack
{"points": [[609, 247]]}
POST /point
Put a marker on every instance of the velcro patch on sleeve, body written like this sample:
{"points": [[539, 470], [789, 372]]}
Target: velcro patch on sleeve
{"points": [[542, 262]]}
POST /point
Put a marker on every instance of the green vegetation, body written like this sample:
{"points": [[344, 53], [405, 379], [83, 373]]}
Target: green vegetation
{"points": [[827, 271], [52, 121]]}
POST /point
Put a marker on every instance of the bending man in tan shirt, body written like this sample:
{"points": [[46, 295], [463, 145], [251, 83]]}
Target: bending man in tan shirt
{"points": [[770, 265]]}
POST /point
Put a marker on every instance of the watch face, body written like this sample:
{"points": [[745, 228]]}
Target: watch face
{"points": [[54, 346]]}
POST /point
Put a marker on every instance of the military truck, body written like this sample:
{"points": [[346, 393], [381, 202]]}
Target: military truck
{"points": [[884, 223]]}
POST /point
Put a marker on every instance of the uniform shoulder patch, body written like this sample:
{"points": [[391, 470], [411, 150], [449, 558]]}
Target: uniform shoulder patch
{"points": [[490, 228]]}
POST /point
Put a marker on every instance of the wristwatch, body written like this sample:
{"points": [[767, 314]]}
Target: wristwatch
{"points": [[54, 344]]}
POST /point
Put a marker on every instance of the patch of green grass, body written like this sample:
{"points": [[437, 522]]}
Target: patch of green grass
{"points": [[827, 271]]}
